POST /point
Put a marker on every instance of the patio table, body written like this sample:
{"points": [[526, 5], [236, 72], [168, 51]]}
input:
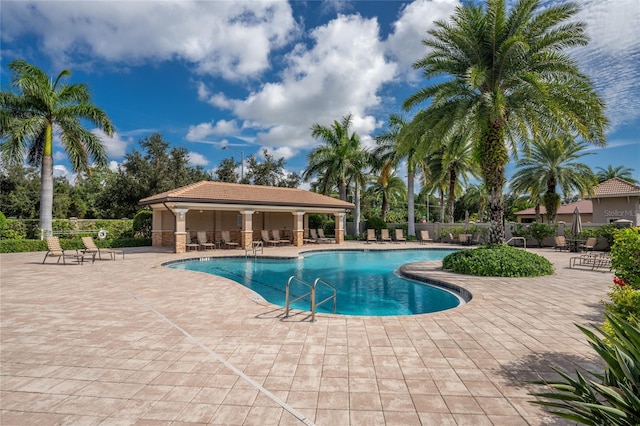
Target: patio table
{"points": [[574, 244]]}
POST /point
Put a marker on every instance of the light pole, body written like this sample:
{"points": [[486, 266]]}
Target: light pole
{"points": [[241, 164]]}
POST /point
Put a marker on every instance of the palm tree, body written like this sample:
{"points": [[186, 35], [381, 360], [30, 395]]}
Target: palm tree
{"points": [[389, 188], [29, 117], [394, 145], [506, 78], [551, 163], [457, 162], [611, 172], [337, 160]]}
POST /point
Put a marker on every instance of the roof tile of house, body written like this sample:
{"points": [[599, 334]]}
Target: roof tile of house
{"points": [[233, 193], [584, 207], [615, 187]]}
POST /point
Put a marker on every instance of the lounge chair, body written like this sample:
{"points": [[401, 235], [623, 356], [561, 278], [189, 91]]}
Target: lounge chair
{"points": [[307, 238], [561, 243], [276, 237], [371, 235], [264, 235], [55, 250], [314, 235], [424, 237], [400, 235], [91, 247], [464, 239], [226, 240], [384, 235], [589, 244], [322, 238], [204, 242], [593, 260]]}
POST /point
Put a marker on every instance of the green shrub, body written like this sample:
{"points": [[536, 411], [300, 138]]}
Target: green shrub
{"points": [[376, 223], [315, 221], [22, 245], [329, 227], [625, 261], [612, 398], [7, 229], [625, 256], [143, 224], [497, 261], [539, 231]]}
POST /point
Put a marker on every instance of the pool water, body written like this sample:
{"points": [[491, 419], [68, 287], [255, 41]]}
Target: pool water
{"points": [[365, 280]]}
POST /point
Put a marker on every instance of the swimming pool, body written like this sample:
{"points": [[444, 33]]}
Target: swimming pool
{"points": [[366, 281]]}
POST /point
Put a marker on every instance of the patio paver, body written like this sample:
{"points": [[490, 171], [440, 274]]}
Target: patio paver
{"points": [[132, 342]]}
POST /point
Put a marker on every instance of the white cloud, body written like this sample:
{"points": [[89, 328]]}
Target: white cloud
{"points": [[115, 146], [285, 152], [201, 131], [113, 165], [196, 159], [62, 171], [228, 38], [416, 18], [340, 73], [611, 57]]}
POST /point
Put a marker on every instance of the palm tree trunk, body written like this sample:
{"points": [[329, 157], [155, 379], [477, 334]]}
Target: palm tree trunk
{"points": [[451, 199], [343, 190], [385, 206], [46, 184], [356, 211], [442, 217], [493, 159], [411, 213]]}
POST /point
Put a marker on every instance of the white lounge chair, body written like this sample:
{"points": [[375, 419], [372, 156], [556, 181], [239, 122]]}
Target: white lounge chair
{"points": [[204, 242], [324, 239], [226, 240]]}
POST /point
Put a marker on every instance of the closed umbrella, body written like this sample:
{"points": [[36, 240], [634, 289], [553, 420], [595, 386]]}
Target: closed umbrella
{"points": [[576, 224]]}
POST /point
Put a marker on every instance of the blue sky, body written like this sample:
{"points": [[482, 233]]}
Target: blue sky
{"points": [[258, 74]]}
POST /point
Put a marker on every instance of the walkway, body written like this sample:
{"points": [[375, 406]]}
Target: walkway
{"points": [[132, 342]]}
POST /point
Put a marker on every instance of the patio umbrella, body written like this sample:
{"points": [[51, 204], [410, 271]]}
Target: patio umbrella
{"points": [[576, 223]]}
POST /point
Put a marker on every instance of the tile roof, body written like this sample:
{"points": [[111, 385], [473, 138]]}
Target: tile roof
{"points": [[234, 193], [615, 187], [584, 207]]}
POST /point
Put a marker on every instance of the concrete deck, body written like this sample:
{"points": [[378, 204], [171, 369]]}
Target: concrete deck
{"points": [[132, 342]]}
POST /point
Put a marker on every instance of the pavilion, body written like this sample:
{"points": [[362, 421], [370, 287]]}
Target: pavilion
{"points": [[243, 210]]}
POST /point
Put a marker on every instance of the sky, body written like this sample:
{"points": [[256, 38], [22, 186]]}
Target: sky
{"points": [[252, 75]]}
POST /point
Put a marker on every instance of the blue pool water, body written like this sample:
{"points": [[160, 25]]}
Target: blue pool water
{"points": [[365, 280]]}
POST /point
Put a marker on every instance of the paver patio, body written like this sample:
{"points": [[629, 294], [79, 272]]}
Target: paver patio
{"points": [[133, 342]]}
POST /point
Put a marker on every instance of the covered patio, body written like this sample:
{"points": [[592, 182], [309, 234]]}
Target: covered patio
{"points": [[242, 210]]}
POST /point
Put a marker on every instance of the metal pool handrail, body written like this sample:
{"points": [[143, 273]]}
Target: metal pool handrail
{"points": [[524, 241], [311, 292]]}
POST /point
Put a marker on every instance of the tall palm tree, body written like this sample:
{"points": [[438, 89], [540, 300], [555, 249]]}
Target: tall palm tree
{"points": [[507, 78], [552, 163], [389, 188], [394, 145], [337, 160], [29, 116], [458, 163], [611, 172]]}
